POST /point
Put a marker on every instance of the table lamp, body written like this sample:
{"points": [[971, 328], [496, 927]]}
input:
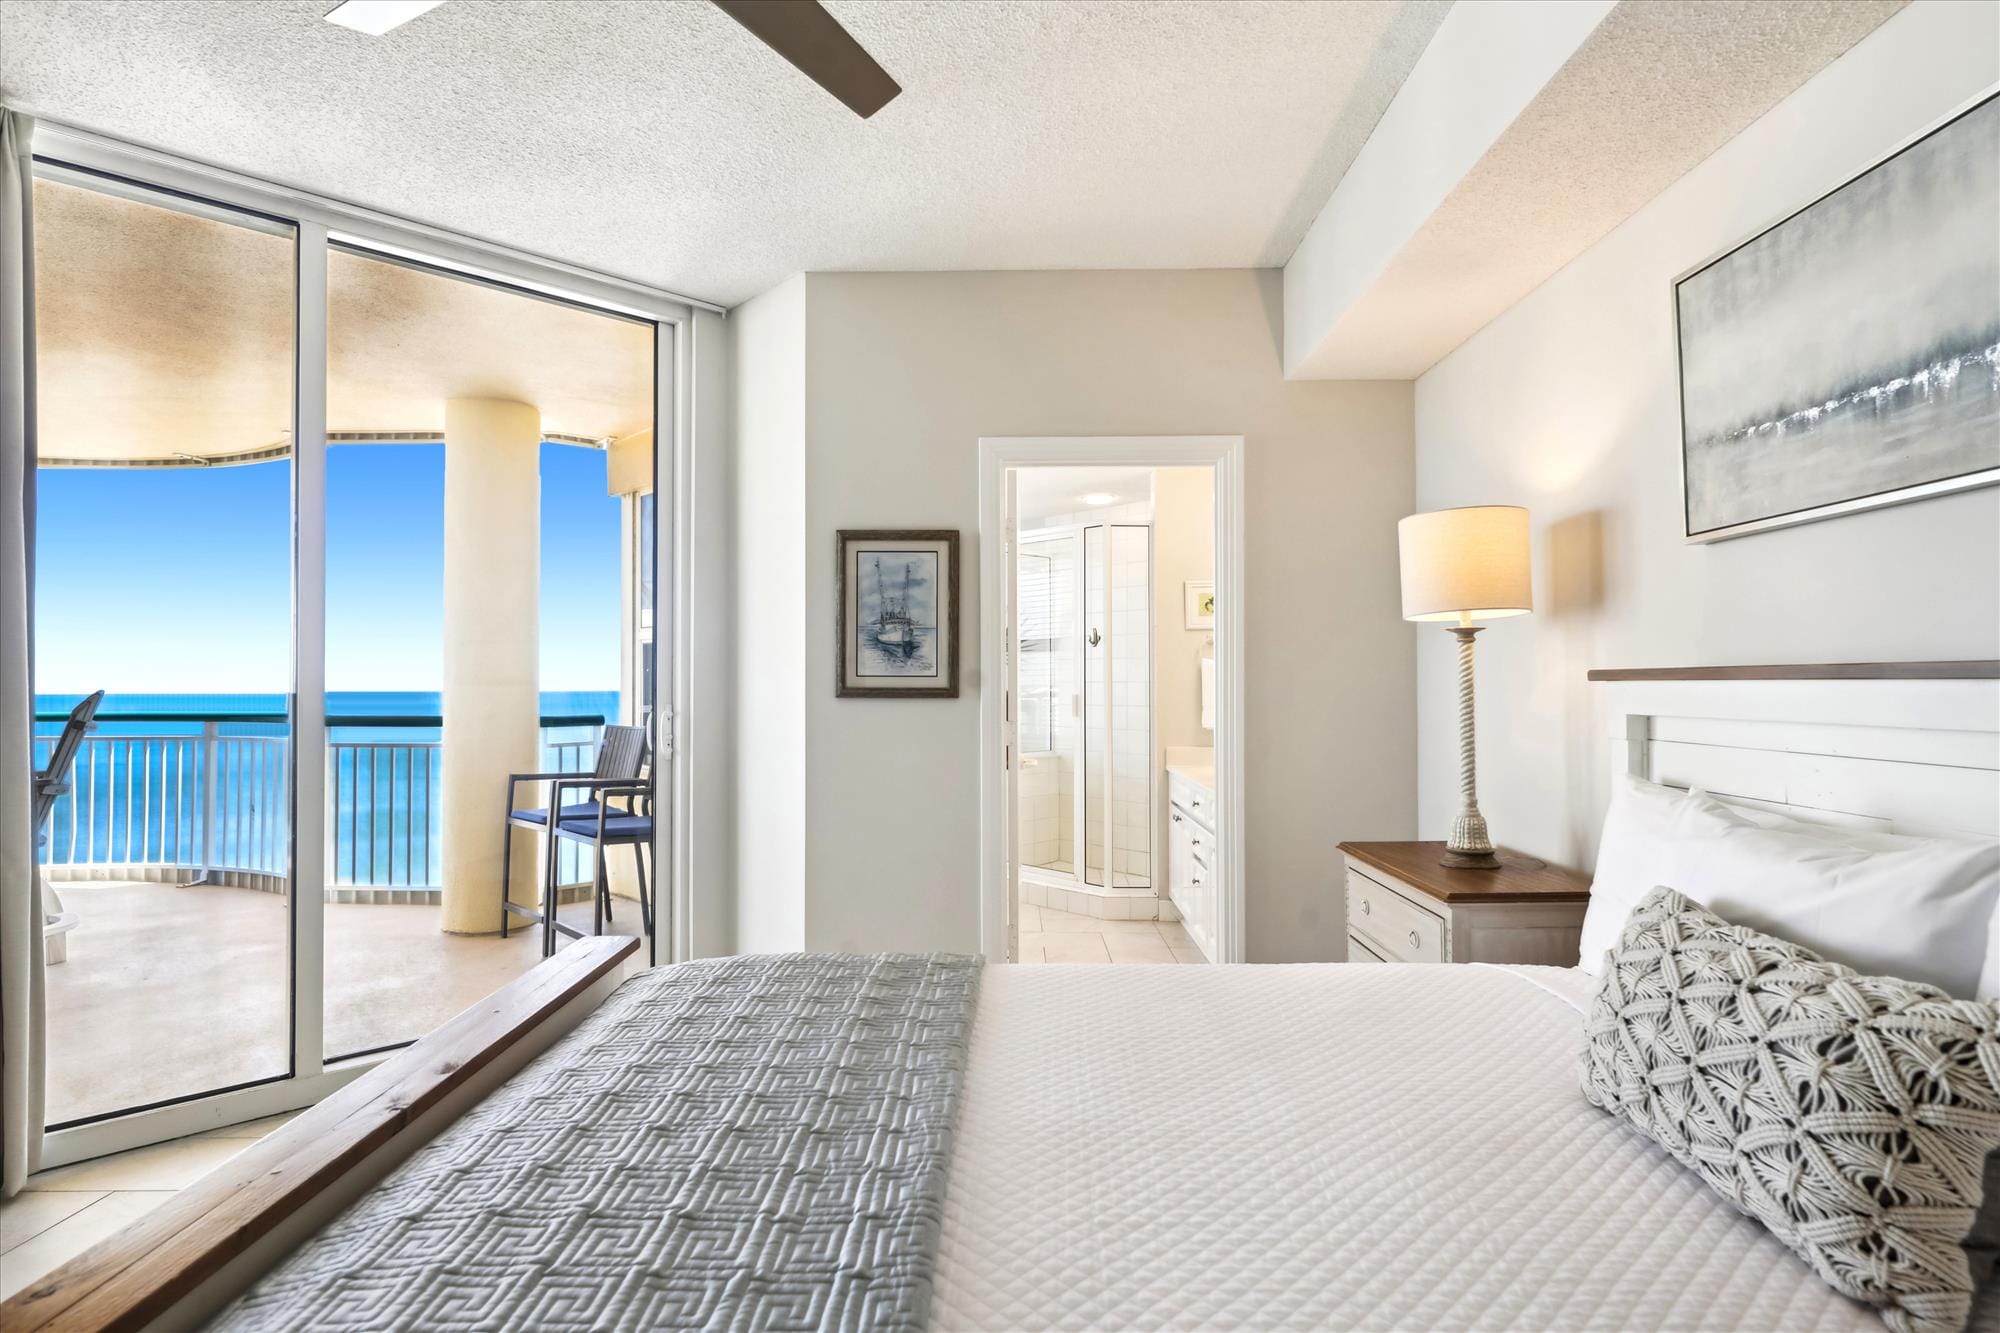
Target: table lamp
{"points": [[1461, 566]]}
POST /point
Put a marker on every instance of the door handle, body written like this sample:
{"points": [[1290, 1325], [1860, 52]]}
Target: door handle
{"points": [[1095, 638]]}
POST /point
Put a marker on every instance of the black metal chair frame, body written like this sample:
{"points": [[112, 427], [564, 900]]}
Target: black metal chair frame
{"points": [[517, 817], [638, 792], [52, 783]]}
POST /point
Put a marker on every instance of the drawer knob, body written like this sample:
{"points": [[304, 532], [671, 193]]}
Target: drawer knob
{"points": [[1367, 908], [1177, 819], [1415, 941], [1195, 841], [1197, 880]]}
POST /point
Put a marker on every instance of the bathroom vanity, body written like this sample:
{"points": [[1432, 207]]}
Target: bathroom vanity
{"points": [[1194, 865]]}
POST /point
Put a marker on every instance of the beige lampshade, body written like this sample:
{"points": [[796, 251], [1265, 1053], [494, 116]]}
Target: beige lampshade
{"points": [[1471, 561]]}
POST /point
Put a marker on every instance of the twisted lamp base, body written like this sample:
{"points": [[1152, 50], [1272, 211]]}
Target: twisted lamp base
{"points": [[1469, 845]]}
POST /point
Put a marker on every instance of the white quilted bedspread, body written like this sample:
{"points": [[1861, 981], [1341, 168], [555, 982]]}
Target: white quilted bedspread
{"points": [[1306, 1147]]}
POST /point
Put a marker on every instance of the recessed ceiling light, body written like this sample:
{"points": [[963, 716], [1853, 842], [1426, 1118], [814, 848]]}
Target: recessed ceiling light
{"points": [[376, 17], [1096, 498]]}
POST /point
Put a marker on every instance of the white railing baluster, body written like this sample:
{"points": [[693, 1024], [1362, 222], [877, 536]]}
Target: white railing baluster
{"points": [[128, 802], [211, 762], [74, 806]]}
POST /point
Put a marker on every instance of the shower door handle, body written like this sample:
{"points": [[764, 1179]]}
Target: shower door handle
{"points": [[1095, 638]]}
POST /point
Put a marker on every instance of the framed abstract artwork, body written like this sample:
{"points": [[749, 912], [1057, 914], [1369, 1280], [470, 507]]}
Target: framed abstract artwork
{"points": [[1848, 356], [897, 591]]}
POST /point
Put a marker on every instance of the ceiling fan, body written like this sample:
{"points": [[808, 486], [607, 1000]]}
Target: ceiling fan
{"points": [[802, 31]]}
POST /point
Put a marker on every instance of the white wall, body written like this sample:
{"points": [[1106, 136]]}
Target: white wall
{"points": [[1566, 404], [767, 364], [1183, 552], [708, 732], [904, 373]]}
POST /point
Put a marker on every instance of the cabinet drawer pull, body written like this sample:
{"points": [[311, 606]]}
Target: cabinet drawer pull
{"points": [[1195, 841], [1177, 819], [1197, 881], [1416, 940], [1367, 908]]}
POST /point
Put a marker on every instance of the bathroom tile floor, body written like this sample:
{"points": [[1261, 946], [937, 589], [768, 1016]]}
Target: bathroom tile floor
{"points": [[1050, 936], [62, 1212]]}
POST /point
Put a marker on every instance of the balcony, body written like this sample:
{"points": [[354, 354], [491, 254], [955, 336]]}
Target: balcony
{"points": [[169, 858], [474, 445]]}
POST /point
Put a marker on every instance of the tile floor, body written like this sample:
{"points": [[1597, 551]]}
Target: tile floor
{"points": [[1050, 936], [63, 1212], [172, 990]]}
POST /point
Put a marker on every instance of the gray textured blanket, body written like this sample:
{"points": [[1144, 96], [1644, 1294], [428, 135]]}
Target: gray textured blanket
{"points": [[742, 1143]]}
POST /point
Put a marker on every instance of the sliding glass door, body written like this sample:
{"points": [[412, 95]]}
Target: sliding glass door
{"points": [[348, 522], [162, 579], [475, 629]]}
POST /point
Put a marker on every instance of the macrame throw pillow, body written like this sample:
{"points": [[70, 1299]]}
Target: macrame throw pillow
{"points": [[1856, 1117]]}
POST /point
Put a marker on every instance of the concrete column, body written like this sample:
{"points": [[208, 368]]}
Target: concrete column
{"points": [[628, 473], [492, 699]]}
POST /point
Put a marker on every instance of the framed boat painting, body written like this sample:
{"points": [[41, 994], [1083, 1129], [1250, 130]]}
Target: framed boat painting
{"points": [[1848, 356], [897, 591]]}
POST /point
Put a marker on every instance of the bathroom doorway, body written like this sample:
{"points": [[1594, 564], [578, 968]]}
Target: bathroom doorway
{"points": [[1114, 694]]}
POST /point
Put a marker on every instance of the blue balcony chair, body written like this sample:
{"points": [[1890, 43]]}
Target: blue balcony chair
{"points": [[610, 826], [621, 759]]}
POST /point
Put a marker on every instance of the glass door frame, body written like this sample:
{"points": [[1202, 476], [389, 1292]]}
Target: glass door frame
{"points": [[80, 157]]}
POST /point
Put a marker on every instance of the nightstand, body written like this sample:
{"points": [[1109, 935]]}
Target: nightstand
{"points": [[1403, 907]]}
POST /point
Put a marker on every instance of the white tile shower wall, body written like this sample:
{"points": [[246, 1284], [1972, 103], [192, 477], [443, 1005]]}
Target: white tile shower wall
{"points": [[1131, 710], [1126, 615], [1094, 702], [1063, 690], [1038, 820]]}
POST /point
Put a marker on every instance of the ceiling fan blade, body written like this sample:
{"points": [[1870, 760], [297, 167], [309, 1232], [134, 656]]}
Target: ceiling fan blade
{"points": [[804, 33]]}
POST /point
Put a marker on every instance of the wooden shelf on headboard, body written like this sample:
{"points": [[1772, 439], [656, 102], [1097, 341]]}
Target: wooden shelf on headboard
{"points": [[1976, 670]]}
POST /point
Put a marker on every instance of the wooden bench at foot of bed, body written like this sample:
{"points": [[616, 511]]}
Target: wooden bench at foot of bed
{"points": [[143, 1272]]}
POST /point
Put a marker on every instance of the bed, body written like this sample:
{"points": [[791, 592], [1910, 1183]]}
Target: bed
{"points": [[1041, 1147]]}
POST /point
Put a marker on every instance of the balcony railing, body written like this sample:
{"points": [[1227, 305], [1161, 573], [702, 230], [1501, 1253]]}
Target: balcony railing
{"points": [[204, 795]]}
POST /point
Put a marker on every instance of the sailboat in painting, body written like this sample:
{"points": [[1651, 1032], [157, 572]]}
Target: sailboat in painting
{"points": [[894, 631]]}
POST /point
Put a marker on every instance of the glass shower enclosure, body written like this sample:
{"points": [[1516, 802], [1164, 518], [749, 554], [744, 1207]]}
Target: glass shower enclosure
{"points": [[1085, 720]]}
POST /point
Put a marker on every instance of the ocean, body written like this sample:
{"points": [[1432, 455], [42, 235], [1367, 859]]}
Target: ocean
{"points": [[197, 781]]}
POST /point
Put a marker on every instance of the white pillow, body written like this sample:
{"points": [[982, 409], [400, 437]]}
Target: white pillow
{"points": [[1989, 974], [1635, 855], [1885, 904]]}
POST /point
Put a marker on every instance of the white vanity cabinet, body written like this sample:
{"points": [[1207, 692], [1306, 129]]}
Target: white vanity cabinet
{"points": [[1194, 867]]}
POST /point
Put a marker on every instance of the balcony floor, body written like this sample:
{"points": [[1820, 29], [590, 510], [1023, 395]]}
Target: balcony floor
{"points": [[172, 989]]}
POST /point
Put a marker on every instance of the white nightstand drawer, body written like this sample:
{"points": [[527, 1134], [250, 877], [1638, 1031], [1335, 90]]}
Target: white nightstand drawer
{"points": [[1360, 951], [1392, 925]]}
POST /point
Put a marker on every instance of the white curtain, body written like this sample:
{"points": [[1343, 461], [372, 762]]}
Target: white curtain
{"points": [[21, 1052]]}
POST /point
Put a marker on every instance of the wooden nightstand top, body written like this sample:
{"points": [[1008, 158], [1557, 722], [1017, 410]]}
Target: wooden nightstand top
{"points": [[1520, 879]]}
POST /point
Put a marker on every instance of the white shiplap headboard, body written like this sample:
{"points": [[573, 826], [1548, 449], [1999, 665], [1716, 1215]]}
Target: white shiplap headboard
{"points": [[1899, 747]]}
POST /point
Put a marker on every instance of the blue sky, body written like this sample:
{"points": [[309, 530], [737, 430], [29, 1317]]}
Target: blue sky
{"points": [[178, 580]]}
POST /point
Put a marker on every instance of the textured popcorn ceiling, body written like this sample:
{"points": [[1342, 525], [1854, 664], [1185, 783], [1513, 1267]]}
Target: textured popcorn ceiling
{"points": [[662, 142], [1656, 87]]}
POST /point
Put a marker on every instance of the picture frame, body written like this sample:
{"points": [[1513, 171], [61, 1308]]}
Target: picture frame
{"points": [[1198, 603], [1787, 415], [896, 594]]}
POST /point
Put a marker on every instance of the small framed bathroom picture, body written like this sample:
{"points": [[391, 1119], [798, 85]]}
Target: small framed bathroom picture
{"points": [[1200, 599], [898, 596]]}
